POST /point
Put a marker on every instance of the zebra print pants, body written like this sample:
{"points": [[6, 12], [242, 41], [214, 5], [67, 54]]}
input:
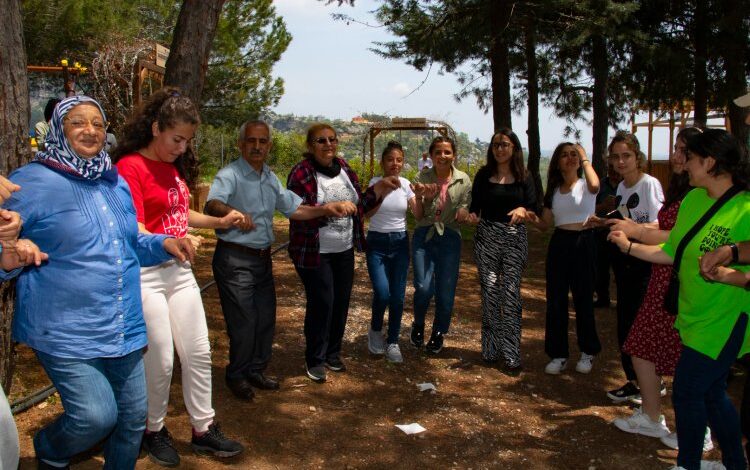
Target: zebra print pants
{"points": [[501, 251]]}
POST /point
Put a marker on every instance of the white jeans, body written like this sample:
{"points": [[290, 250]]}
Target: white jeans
{"points": [[8, 436], [175, 319]]}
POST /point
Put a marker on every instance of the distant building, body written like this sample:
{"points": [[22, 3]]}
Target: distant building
{"points": [[360, 120]]}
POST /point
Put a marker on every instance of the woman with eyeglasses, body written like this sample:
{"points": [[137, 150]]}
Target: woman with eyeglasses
{"points": [[639, 197], [322, 249], [81, 310], [712, 316], [501, 197], [570, 199], [436, 244], [157, 161], [653, 343]]}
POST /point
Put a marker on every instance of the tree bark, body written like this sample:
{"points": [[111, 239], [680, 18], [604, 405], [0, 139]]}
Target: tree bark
{"points": [[532, 89], [500, 66], [191, 46], [700, 35], [734, 39], [600, 72], [14, 147]]}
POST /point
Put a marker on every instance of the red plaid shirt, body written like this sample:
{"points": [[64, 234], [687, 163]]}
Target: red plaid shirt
{"points": [[304, 240]]}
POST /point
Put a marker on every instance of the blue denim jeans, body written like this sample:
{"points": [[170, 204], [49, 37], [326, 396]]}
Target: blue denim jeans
{"points": [[436, 262], [103, 398], [700, 395], [388, 264]]}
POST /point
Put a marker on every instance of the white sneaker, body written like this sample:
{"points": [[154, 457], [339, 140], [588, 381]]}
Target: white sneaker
{"points": [[585, 363], [712, 465], [671, 441], [393, 354], [375, 342], [640, 423], [556, 366]]}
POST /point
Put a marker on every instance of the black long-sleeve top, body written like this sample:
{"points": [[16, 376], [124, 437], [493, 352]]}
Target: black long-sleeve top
{"points": [[493, 201]]}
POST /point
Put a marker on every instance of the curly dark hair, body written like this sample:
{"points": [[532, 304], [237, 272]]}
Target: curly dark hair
{"points": [[516, 163], [391, 145], [167, 107], [727, 152], [554, 175]]}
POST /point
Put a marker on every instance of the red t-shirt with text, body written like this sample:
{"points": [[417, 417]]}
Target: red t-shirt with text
{"points": [[160, 196]]}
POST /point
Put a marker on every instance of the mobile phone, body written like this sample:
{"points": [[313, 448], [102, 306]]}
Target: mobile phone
{"points": [[620, 213]]}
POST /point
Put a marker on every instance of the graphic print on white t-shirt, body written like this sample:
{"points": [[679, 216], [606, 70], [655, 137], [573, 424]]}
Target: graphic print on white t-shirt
{"points": [[175, 220], [336, 235], [643, 199]]}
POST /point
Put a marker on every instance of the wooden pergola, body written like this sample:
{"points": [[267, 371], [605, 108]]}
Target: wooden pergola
{"points": [[402, 124], [69, 73]]}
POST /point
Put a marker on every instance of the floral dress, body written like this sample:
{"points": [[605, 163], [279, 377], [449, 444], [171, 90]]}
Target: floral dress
{"points": [[653, 336]]}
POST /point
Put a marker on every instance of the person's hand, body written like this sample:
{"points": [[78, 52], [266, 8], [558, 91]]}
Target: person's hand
{"points": [[383, 187], [581, 153], [426, 191], [461, 215], [234, 218], [181, 248], [620, 239], [6, 189], [472, 219], [532, 217], [630, 228], [709, 262], [340, 209], [18, 253], [196, 240], [10, 224], [246, 224], [517, 215], [594, 222]]}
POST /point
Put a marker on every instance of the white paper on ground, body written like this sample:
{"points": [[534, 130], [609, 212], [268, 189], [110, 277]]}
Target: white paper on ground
{"points": [[426, 386], [413, 428]]}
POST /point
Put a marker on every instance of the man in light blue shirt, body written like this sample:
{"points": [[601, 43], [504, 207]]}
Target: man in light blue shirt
{"points": [[242, 261]]}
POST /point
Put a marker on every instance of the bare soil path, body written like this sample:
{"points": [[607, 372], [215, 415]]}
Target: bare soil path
{"points": [[478, 418]]}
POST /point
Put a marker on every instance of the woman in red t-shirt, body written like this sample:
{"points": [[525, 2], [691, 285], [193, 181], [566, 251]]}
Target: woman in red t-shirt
{"points": [[157, 161]]}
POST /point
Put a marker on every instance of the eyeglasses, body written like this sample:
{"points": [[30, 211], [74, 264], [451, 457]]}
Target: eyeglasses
{"points": [[324, 140], [81, 123], [502, 145]]}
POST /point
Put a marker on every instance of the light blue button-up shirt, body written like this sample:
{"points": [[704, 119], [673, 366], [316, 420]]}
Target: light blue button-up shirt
{"points": [[241, 187], [84, 302]]}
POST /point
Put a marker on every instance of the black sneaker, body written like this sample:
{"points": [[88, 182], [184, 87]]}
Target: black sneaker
{"points": [[435, 344], [638, 400], [417, 335], [335, 364], [624, 393], [159, 447], [215, 443], [317, 374]]}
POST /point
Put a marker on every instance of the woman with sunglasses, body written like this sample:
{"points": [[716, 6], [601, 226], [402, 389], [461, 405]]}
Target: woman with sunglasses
{"points": [[640, 197], [322, 249], [653, 343], [569, 200], [156, 159], [712, 320], [502, 194]]}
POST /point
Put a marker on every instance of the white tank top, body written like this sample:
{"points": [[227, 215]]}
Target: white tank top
{"points": [[575, 206]]}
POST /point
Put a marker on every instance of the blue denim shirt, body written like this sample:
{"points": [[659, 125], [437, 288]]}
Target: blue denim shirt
{"points": [[84, 302], [238, 185]]}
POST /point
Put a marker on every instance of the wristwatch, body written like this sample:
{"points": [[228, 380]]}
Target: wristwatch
{"points": [[735, 252]]}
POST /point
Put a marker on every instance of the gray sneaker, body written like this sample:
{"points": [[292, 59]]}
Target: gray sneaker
{"points": [[393, 354], [375, 342]]}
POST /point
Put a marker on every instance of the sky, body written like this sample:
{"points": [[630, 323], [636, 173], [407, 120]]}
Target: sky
{"points": [[328, 70]]}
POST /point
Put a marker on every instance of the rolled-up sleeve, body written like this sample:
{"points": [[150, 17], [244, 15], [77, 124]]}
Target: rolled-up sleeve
{"points": [[286, 201], [222, 187]]}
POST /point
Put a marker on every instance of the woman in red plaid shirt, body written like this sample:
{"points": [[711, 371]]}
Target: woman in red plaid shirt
{"points": [[322, 249]]}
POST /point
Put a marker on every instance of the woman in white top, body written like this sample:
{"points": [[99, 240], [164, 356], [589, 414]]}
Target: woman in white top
{"points": [[388, 256], [569, 201]]}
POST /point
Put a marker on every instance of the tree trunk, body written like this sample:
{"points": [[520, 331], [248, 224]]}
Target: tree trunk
{"points": [[191, 46], [700, 35], [500, 66], [532, 88], [14, 147], [600, 71], [734, 40]]}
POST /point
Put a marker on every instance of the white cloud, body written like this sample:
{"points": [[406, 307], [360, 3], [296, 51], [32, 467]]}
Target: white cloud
{"points": [[401, 89]]}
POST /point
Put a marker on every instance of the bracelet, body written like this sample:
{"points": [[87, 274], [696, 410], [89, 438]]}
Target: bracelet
{"points": [[735, 253], [629, 247], [585, 160]]}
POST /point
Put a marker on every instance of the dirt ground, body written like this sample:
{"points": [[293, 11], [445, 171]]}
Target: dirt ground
{"points": [[478, 418]]}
